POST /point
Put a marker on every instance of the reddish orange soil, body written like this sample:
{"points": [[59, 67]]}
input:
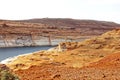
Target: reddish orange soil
{"points": [[111, 61], [106, 69], [52, 72]]}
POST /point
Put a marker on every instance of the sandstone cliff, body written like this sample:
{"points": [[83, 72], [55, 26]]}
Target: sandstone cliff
{"points": [[39, 32]]}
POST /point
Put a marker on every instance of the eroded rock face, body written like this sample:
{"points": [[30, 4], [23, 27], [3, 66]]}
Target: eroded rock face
{"points": [[11, 40], [14, 40]]}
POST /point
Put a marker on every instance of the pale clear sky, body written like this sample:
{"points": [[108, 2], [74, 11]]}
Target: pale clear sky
{"points": [[107, 10]]}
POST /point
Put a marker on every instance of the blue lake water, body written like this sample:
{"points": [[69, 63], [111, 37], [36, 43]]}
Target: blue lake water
{"points": [[15, 51]]}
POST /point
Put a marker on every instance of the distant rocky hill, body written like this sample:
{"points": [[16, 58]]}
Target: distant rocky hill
{"points": [[89, 27], [50, 31]]}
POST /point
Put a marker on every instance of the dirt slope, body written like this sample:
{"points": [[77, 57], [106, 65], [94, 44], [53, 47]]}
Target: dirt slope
{"points": [[106, 69], [110, 61]]}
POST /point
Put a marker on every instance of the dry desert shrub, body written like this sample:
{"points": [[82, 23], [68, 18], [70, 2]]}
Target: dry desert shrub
{"points": [[6, 74]]}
